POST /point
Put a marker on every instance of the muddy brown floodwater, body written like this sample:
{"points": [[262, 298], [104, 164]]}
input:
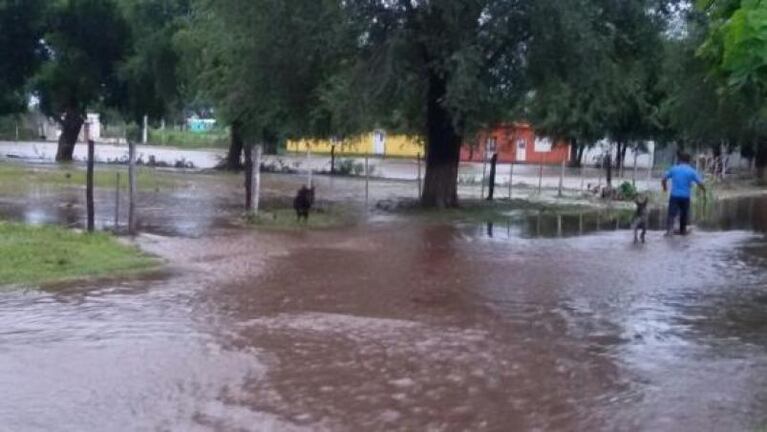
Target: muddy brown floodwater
{"points": [[544, 323]]}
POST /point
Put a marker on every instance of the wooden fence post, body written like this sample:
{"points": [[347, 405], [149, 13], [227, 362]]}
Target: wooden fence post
{"points": [[117, 203], [420, 187], [491, 179], [561, 179]]}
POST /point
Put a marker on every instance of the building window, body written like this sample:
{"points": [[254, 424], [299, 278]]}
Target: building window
{"points": [[542, 145]]}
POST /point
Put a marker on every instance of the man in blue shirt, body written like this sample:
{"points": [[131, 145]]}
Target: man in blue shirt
{"points": [[682, 177]]}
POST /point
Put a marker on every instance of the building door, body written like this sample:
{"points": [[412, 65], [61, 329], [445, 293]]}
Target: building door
{"points": [[521, 150], [379, 142]]}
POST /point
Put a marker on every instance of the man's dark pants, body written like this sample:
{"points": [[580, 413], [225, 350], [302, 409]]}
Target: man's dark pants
{"points": [[678, 206]]}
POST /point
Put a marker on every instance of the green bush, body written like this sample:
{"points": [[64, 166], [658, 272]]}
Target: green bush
{"points": [[627, 191]]}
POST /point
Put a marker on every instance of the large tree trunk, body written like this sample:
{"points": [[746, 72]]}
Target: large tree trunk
{"points": [[619, 156], [576, 153], [233, 160], [608, 163], [70, 124], [622, 155], [443, 150], [581, 150], [573, 153]]}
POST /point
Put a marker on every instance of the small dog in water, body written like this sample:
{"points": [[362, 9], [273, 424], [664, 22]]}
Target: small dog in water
{"points": [[641, 217], [303, 202]]}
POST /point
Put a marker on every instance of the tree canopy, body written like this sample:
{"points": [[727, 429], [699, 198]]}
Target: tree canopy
{"points": [[86, 40], [151, 77], [21, 26]]}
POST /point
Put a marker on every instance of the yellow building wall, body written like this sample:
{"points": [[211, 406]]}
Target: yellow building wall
{"points": [[404, 146], [395, 145]]}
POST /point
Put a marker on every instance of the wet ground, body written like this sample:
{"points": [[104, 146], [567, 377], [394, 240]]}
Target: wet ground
{"points": [[544, 322]]}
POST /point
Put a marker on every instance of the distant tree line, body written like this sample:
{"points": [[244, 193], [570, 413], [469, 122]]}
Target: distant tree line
{"points": [[689, 73]]}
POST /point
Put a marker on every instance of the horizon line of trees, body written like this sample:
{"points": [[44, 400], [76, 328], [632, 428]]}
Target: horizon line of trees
{"points": [[670, 71]]}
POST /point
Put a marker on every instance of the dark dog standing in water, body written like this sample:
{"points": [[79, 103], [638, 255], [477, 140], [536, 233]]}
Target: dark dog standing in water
{"points": [[641, 218], [303, 203]]}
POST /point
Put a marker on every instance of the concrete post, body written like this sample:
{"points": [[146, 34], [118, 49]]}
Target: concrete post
{"points": [[257, 180], [145, 130]]}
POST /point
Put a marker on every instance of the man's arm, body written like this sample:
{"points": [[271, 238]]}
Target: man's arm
{"points": [[664, 182]]}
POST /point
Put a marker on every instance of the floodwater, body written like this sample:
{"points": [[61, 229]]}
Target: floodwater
{"points": [[547, 322]]}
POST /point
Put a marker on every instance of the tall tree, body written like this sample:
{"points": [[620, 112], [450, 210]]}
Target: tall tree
{"points": [[21, 26], [735, 50], [594, 67], [569, 58], [86, 40], [439, 68], [151, 78], [635, 91], [262, 62]]}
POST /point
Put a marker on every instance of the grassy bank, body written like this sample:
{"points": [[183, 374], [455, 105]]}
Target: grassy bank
{"points": [[34, 255], [217, 138], [15, 178]]}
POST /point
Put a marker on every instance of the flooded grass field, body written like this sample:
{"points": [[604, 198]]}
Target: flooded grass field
{"points": [[539, 320]]}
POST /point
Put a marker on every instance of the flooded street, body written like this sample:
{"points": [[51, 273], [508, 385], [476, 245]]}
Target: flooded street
{"points": [[551, 322]]}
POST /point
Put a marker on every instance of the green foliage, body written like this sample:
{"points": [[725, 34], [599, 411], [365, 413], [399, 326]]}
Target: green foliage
{"points": [[627, 191], [152, 80], [738, 41], [570, 97], [86, 40], [466, 55], [734, 52], [36, 255], [261, 62], [696, 113], [21, 26], [616, 92]]}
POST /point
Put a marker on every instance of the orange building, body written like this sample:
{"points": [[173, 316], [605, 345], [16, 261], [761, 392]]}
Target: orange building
{"points": [[517, 143]]}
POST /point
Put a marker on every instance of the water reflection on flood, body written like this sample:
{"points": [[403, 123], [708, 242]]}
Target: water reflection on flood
{"points": [[724, 215]]}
